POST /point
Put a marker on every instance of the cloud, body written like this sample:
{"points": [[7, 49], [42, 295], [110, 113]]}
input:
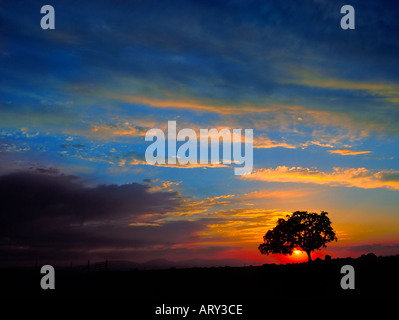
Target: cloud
{"points": [[6, 147], [347, 152], [266, 143], [313, 78], [163, 185], [52, 216], [352, 177], [275, 194], [230, 58], [317, 143], [117, 129], [178, 103], [125, 159], [241, 224], [56, 218], [76, 145]]}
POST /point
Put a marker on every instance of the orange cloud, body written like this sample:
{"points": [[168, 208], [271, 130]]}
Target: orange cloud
{"points": [[317, 143], [186, 104], [266, 143], [315, 78], [163, 185], [278, 194], [242, 225], [352, 177], [280, 116], [182, 166], [347, 152], [105, 131]]}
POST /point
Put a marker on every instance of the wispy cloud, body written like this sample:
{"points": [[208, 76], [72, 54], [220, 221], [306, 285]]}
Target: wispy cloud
{"points": [[267, 143], [347, 152], [317, 143], [314, 78], [276, 194], [240, 224], [352, 177], [107, 130]]}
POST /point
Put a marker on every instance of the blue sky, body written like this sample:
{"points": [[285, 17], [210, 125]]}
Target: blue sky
{"points": [[322, 101]]}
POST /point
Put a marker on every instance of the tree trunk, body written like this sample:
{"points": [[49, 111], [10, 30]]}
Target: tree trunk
{"points": [[309, 256]]}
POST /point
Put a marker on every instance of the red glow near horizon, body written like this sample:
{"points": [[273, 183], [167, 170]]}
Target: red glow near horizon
{"points": [[297, 256]]}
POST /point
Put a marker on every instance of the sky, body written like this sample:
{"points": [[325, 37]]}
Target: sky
{"points": [[77, 101]]}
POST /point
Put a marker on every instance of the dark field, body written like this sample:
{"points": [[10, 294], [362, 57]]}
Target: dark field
{"points": [[375, 278]]}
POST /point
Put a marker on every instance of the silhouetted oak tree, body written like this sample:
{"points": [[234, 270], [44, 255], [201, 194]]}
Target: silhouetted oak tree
{"points": [[303, 230]]}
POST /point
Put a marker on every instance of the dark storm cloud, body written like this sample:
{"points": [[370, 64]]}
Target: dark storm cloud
{"points": [[31, 194], [56, 216]]}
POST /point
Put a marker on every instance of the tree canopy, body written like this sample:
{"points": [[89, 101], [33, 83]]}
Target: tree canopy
{"points": [[301, 230]]}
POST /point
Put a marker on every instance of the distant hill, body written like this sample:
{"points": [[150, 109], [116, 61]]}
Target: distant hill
{"points": [[156, 264]]}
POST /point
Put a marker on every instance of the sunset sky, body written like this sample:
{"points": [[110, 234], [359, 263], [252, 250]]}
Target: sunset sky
{"points": [[77, 101]]}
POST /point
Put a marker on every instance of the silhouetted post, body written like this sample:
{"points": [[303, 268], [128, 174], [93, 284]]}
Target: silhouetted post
{"points": [[88, 266]]}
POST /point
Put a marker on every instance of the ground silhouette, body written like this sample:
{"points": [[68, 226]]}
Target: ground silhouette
{"points": [[375, 278]]}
